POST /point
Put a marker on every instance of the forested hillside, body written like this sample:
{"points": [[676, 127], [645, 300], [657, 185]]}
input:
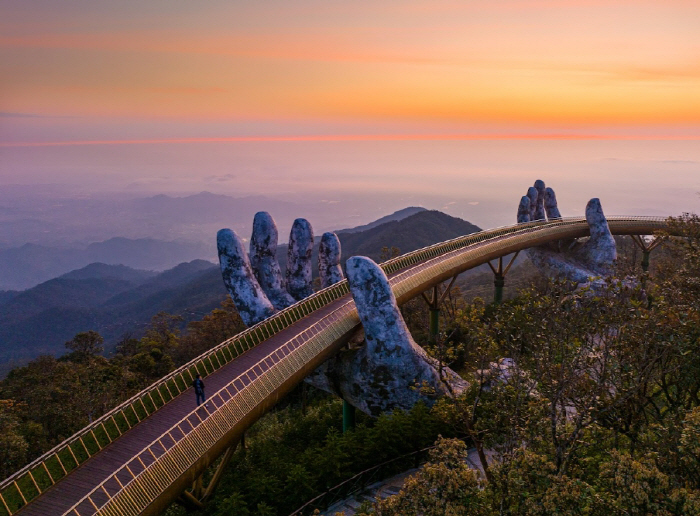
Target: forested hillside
{"points": [[26, 266], [116, 303]]}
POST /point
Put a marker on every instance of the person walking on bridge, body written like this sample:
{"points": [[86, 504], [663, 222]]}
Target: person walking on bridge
{"points": [[198, 385]]}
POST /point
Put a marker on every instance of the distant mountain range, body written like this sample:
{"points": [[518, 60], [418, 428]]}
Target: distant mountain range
{"points": [[26, 266], [111, 299], [115, 299], [57, 218]]}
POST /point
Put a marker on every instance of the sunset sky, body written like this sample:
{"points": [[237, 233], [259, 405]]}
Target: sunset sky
{"points": [[550, 64], [140, 72]]}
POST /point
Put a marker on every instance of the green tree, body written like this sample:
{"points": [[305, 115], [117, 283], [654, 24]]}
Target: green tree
{"points": [[13, 445], [220, 325], [445, 486], [85, 345], [630, 486]]}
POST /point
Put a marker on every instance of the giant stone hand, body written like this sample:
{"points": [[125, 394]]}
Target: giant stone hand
{"points": [[390, 370], [576, 261]]}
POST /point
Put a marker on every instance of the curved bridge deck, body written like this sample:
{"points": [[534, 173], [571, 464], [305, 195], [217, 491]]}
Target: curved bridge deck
{"points": [[138, 465]]}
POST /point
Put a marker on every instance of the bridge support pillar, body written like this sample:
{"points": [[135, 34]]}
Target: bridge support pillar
{"points": [[196, 498], [499, 281], [499, 277], [434, 303], [646, 248], [434, 327], [348, 417]]}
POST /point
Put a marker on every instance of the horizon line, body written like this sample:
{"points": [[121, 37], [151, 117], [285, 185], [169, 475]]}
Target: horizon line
{"points": [[357, 137]]}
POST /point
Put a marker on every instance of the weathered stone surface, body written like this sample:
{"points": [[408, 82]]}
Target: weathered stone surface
{"points": [[263, 259], [329, 269], [532, 195], [250, 300], [550, 205], [301, 245], [524, 209], [555, 264], [390, 371], [579, 263], [599, 252], [539, 207]]}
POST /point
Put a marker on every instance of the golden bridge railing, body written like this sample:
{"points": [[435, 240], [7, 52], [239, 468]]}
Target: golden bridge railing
{"points": [[45, 471]]}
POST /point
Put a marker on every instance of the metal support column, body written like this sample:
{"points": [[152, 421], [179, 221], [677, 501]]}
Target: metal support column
{"points": [[646, 248], [196, 498], [499, 277], [434, 308], [434, 327], [499, 281]]}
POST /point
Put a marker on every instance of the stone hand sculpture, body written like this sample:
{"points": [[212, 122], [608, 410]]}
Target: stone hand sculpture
{"points": [[576, 261], [390, 370]]}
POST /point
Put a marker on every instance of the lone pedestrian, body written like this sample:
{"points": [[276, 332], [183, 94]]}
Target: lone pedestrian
{"points": [[198, 385]]}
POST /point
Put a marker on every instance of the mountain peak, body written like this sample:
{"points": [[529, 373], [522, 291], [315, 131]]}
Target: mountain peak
{"points": [[397, 215]]}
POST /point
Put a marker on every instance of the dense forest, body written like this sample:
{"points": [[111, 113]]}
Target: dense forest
{"points": [[581, 402]]}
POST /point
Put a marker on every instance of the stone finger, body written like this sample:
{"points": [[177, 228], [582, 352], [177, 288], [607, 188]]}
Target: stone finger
{"points": [[539, 206], [550, 205], [263, 259], [532, 195], [301, 245], [390, 362], [329, 269], [524, 209], [249, 298], [600, 251], [385, 329]]}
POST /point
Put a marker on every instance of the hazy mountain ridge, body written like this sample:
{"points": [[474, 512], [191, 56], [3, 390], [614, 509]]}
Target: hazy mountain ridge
{"points": [[103, 270], [26, 266], [40, 320], [40, 240], [397, 215], [6, 295], [60, 221], [408, 234], [115, 300]]}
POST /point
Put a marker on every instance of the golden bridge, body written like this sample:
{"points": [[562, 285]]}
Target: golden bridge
{"points": [[153, 448]]}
